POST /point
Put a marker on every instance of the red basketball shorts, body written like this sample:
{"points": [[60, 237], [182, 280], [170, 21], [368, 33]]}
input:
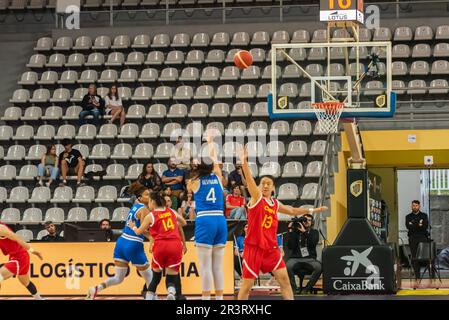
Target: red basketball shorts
{"points": [[167, 254], [257, 260], [18, 264]]}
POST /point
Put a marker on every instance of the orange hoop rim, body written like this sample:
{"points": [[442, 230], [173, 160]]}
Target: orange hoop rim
{"points": [[328, 105]]}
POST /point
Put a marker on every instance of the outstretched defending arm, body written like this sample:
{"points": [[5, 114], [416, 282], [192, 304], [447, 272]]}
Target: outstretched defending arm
{"points": [[214, 157], [251, 184], [299, 211], [5, 232]]}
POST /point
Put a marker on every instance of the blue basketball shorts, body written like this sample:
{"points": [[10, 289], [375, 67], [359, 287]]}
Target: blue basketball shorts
{"points": [[211, 231], [130, 251]]}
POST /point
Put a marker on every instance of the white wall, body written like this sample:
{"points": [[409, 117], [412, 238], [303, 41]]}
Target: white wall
{"points": [[409, 188]]}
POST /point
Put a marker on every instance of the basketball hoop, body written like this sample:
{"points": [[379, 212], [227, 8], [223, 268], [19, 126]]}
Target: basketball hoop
{"points": [[328, 114]]}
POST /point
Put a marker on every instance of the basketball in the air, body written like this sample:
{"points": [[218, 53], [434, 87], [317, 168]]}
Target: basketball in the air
{"points": [[243, 59]]}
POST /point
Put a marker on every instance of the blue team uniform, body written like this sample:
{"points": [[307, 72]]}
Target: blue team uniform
{"points": [[210, 223], [129, 247]]}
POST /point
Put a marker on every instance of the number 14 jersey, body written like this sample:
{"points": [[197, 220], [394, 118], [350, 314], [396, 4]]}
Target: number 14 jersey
{"points": [[263, 224], [165, 225]]}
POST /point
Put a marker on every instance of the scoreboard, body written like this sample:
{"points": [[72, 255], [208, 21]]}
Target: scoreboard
{"points": [[341, 10]]}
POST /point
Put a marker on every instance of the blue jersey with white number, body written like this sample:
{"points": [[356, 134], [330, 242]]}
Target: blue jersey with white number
{"points": [[209, 196], [128, 233]]}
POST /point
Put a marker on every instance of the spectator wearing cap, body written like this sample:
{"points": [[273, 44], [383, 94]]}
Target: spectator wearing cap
{"points": [[71, 162]]}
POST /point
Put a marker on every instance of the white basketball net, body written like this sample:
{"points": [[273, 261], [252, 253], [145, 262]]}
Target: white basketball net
{"points": [[328, 114]]}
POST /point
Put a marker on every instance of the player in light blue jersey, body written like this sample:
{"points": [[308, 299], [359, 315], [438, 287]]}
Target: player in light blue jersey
{"points": [[210, 222], [129, 247]]}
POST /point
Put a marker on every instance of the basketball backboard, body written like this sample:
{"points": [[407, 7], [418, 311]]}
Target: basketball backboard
{"points": [[355, 73]]}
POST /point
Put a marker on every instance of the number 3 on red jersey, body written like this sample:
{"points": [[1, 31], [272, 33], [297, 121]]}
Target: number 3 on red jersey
{"points": [[267, 222]]}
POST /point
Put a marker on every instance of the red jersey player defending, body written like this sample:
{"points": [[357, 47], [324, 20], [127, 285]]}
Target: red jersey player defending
{"points": [[261, 252], [19, 259], [169, 243]]}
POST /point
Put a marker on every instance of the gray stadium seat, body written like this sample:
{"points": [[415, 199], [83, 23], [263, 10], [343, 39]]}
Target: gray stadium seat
{"points": [[107, 131], [230, 73], [177, 110], [400, 51], [318, 148], [288, 191], [82, 43], [102, 43], [280, 36], [289, 90], [215, 56], [62, 195], [439, 86], [45, 132], [95, 59], [85, 194], [441, 50], [143, 151], [417, 86], [275, 149], [292, 169], [160, 168], [36, 152], [373, 88], [115, 59], [180, 40], [68, 77], [120, 214], [128, 76], [399, 68], [279, 128], [160, 41], [141, 41], [164, 150], [257, 128], [317, 54], [297, 148], [442, 32], [66, 131], [83, 149], [220, 39], [421, 50], [40, 195], [200, 40], [24, 132], [27, 173], [251, 73], [32, 114], [168, 74], [309, 191], [108, 76], [157, 111], [60, 95], [44, 44], [198, 110], [148, 75], [86, 132], [235, 129], [25, 234], [142, 93], [319, 35], [6, 133], [77, 214], [210, 74], [114, 172], [258, 54], [136, 111], [20, 96], [15, 153], [54, 214], [440, 67], [28, 78], [300, 36], [241, 109], [402, 34], [225, 91], [122, 151], [260, 38], [219, 110], [189, 74], [72, 113], [240, 39], [121, 42], [194, 57], [255, 150], [63, 44], [301, 128], [12, 114], [162, 93], [129, 131], [36, 61], [171, 129], [100, 151], [271, 168], [216, 126], [88, 76], [382, 34], [135, 59], [175, 57], [10, 215], [263, 91], [3, 194], [204, 92], [56, 60], [423, 33], [135, 169], [419, 67]]}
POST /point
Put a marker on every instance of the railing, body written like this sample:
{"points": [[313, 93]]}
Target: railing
{"points": [[439, 181]]}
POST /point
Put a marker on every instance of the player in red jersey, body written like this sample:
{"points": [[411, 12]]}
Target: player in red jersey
{"points": [[19, 259], [261, 252], [165, 227]]}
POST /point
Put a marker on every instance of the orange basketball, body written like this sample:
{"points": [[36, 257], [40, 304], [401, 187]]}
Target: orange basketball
{"points": [[243, 59]]}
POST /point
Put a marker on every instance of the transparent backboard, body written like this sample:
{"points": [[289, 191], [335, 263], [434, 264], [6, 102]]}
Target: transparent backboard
{"points": [[357, 74]]}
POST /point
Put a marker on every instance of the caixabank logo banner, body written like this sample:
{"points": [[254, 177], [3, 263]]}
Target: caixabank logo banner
{"points": [[357, 272]]}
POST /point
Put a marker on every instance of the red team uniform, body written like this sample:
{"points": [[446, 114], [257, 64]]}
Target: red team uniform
{"points": [[167, 249], [261, 252], [19, 259]]}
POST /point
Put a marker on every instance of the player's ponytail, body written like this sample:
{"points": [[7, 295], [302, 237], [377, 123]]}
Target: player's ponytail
{"points": [[205, 167], [158, 197], [136, 189]]}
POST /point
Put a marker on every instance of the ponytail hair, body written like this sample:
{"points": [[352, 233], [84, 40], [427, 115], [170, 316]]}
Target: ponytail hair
{"points": [[158, 197], [136, 189]]}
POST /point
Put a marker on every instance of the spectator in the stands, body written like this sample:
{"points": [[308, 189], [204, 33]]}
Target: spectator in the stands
{"points": [[168, 202], [92, 104], [48, 166], [181, 154], [149, 177], [105, 225], [114, 106], [71, 162], [236, 178], [235, 205], [52, 235], [173, 178], [187, 209], [173, 199]]}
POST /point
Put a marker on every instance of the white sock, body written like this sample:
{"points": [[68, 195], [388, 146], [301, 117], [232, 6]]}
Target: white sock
{"points": [[205, 298], [37, 296], [171, 290], [147, 275], [220, 297], [119, 276], [205, 260], [217, 268]]}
